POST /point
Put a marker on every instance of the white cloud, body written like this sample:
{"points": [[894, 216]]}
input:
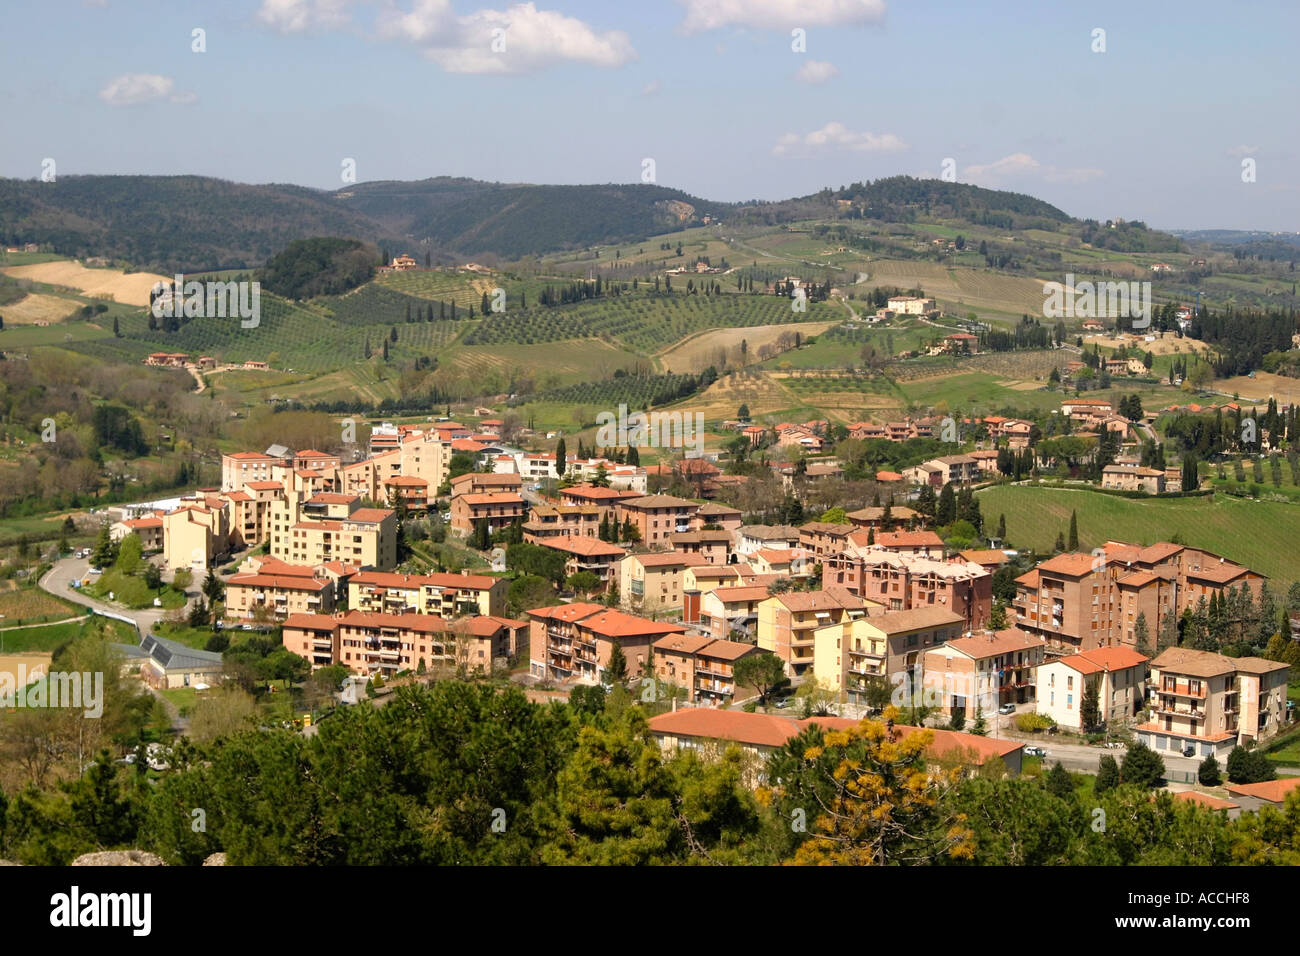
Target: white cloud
{"points": [[295, 16], [837, 136], [519, 39], [816, 72], [779, 14], [131, 89], [650, 88], [1243, 150], [1023, 168]]}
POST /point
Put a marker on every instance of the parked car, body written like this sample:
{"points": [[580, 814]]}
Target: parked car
{"points": [[1007, 709], [1032, 751], [1189, 751]]}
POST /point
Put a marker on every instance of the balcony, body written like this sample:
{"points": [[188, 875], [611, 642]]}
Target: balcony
{"points": [[1182, 690], [1179, 710]]}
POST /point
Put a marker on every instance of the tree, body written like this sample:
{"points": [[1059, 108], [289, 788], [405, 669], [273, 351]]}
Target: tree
{"points": [[561, 458], [1072, 542], [529, 591], [129, 550], [998, 616], [1249, 766], [945, 512], [1059, 782], [152, 577], [616, 669], [1089, 707], [1208, 772], [1142, 766], [1168, 634], [1107, 775], [214, 589], [869, 796], [105, 552], [585, 582], [1142, 635], [1191, 478], [762, 671], [199, 616], [742, 413]]}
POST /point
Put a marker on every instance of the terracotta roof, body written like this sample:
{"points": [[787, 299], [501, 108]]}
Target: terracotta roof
{"points": [[915, 619], [657, 501], [492, 498], [288, 582], [745, 593], [908, 539], [683, 643], [1205, 800], [1184, 660], [369, 514], [1102, 659], [1072, 565], [995, 643], [833, 596], [311, 622], [1274, 791], [986, 556], [330, 498], [667, 559], [586, 546], [611, 623], [385, 579], [264, 485]]}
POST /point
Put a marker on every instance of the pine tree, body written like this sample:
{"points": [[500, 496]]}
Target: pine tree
{"points": [[1208, 773], [1089, 707], [1059, 782], [1142, 635], [945, 511], [1072, 544], [561, 458], [616, 669], [1002, 528], [1107, 774]]}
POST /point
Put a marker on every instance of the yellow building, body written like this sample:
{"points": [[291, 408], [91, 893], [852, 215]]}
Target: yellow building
{"points": [[788, 621], [193, 535]]}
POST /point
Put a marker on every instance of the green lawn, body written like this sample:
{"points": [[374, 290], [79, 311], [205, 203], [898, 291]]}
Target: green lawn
{"points": [[39, 637], [1259, 534], [130, 591]]}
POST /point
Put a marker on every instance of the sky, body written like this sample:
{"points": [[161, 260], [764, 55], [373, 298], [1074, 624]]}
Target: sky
{"points": [[1181, 115]]}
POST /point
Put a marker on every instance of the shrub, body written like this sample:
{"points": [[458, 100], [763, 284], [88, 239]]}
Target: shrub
{"points": [[1033, 723]]}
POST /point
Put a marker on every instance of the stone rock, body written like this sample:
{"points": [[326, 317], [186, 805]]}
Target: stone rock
{"points": [[216, 859], [119, 858]]}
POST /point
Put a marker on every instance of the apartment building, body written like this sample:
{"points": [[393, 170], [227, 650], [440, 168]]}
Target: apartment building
{"points": [[588, 554], [1120, 675], [476, 483], [980, 673], [783, 562], [705, 667], [949, 469], [825, 537], [877, 517], [194, 536], [1082, 601], [657, 517], [442, 595], [370, 643], [912, 544], [148, 527], [250, 512], [787, 623], [713, 546], [756, 537], [241, 467], [366, 537], [726, 612], [498, 509], [900, 581], [559, 521], [849, 654], [653, 581], [713, 514], [573, 642], [275, 594], [1211, 703]]}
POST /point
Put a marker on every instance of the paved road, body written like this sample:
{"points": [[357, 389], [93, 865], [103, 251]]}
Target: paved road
{"points": [[58, 579]]}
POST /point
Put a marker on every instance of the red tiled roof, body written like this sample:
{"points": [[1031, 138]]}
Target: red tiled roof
{"points": [[1274, 791]]}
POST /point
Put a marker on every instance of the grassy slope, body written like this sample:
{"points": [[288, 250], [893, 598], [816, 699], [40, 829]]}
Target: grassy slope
{"points": [[1260, 534]]}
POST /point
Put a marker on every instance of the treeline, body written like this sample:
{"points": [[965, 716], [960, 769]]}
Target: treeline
{"points": [[322, 266], [467, 774], [1239, 431], [1028, 334], [1128, 237], [1243, 337]]}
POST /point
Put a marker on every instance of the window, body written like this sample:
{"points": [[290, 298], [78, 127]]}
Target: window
{"points": [[1069, 701], [1069, 683]]}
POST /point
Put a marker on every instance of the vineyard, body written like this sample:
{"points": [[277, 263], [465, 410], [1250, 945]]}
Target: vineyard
{"points": [[374, 304], [463, 288], [636, 392], [645, 323]]}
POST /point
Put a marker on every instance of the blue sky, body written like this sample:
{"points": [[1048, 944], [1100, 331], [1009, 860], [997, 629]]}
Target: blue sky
{"points": [[1154, 128]]}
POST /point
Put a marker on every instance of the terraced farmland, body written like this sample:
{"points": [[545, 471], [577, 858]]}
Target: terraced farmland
{"points": [[463, 288]]}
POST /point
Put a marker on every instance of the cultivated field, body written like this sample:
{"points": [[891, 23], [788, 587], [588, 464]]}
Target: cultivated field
{"points": [[130, 288], [698, 352], [37, 307], [1260, 388], [1260, 534]]}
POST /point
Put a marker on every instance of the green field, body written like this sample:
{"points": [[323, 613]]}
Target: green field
{"points": [[1259, 534]]}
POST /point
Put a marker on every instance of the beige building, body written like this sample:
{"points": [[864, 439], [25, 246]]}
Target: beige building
{"points": [[653, 581], [883, 644], [705, 667], [332, 528], [240, 468], [1133, 478], [1211, 703], [194, 536], [588, 554], [980, 673], [657, 517], [573, 642], [1119, 672], [148, 527], [787, 623], [288, 589]]}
